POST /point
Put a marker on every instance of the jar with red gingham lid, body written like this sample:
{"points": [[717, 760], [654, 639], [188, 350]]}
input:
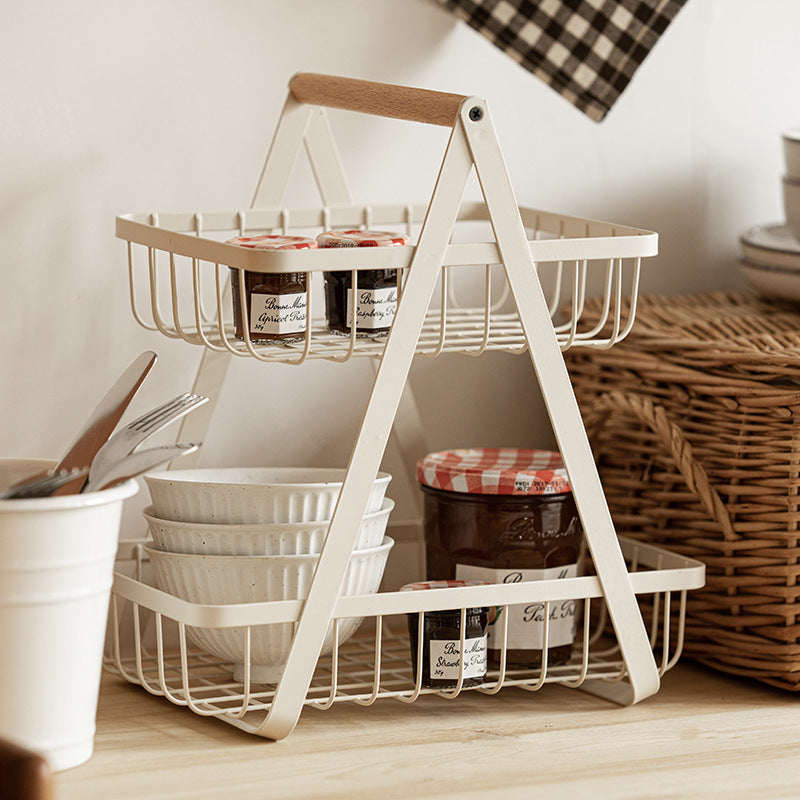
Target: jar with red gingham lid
{"points": [[505, 515], [376, 296], [441, 650], [277, 303]]}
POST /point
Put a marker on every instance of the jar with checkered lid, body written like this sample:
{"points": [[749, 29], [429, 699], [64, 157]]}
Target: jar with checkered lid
{"points": [[277, 303], [375, 301], [441, 655], [505, 515]]}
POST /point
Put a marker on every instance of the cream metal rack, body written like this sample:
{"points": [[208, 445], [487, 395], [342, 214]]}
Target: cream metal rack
{"points": [[377, 662], [186, 266]]}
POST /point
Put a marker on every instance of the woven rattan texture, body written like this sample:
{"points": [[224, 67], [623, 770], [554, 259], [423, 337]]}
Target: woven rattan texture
{"points": [[695, 423]]}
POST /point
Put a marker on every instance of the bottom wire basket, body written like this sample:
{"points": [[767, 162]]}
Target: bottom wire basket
{"points": [[148, 643]]}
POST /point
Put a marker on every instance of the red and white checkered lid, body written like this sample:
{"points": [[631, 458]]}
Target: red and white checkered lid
{"points": [[274, 242], [494, 470], [419, 585], [358, 238]]}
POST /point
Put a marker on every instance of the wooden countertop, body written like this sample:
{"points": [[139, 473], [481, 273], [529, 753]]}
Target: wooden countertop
{"points": [[703, 735]]}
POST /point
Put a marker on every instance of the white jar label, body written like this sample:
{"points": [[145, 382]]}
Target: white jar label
{"points": [[376, 308], [526, 621], [446, 658], [278, 313]]}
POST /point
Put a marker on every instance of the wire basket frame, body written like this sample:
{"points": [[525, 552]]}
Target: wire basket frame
{"points": [[376, 663], [189, 251], [182, 292]]}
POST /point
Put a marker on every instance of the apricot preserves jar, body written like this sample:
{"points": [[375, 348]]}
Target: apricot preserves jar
{"points": [[277, 303]]}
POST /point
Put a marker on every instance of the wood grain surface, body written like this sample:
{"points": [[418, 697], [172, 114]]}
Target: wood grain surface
{"points": [[380, 99], [703, 735]]}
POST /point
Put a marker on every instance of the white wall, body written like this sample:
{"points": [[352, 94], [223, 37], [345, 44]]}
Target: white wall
{"points": [[112, 107]]}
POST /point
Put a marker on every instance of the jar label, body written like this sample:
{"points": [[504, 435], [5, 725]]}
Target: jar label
{"points": [[376, 308], [278, 313], [526, 621], [446, 658]]}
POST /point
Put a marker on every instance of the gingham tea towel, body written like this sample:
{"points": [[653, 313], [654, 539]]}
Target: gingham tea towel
{"points": [[587, 50]]}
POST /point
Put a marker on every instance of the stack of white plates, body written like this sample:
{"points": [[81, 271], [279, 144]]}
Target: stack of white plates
{"points": [[771, 253], [771, 261]]}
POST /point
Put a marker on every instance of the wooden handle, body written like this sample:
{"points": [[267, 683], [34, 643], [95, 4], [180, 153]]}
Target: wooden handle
{"points": [[380, 99]]}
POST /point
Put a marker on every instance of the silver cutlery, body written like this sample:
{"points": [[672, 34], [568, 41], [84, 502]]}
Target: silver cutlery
{"points": [[137, 463], [127, 439], [102, 421], [43, 485]]}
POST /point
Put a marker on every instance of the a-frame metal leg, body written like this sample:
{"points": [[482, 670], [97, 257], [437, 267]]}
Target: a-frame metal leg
{"points": [[372, 438], [561, 404]]}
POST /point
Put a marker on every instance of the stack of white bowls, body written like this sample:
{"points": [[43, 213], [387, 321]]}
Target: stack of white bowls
{"points": [[771, 253], [253, 535]]}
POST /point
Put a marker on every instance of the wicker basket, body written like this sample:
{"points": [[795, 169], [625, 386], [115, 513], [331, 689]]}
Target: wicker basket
{"points": [[694, 421]]}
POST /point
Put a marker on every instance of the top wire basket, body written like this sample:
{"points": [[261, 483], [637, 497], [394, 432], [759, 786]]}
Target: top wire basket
{"points": [[179, 265]]}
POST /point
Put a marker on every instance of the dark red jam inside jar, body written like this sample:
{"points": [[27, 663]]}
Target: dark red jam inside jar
{"points": [[376, 289], [504, 515], [277, 302], [442, 651]]}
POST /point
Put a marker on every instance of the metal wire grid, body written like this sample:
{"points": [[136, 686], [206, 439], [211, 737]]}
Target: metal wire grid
{"points": [[189, 299], [375, 664]]}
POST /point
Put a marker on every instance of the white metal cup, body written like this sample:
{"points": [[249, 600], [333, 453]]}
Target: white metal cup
{"points": [[56, 569]]}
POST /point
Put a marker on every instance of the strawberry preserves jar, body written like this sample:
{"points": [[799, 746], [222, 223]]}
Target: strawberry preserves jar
{"points": [[441, 652], [375, 302]]}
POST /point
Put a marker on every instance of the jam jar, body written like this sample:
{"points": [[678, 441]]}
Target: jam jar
{"points": [[505, 515], [277, 302], [441, 641], [376, 292]]}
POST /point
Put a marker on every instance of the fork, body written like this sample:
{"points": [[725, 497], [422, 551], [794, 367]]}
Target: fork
{"points": [[42, 485], [138, 463], [127, 439]]}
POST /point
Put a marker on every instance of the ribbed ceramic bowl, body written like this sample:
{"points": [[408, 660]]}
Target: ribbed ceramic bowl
{"points": [[222, 580], [266, 539], [249, 495]]}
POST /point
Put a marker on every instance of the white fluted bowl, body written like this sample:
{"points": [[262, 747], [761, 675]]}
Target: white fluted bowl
{"points": [[246, 495], [266, 539], [223, 580]]}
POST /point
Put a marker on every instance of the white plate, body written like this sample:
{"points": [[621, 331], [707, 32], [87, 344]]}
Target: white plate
{"points": [[771, 246], [772, 281]]}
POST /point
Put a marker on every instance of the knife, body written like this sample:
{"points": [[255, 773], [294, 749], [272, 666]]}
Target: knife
{"points": [[102, 421]]}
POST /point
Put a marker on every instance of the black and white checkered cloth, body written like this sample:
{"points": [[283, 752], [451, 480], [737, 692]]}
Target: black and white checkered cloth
{"points": [[587, 50]]}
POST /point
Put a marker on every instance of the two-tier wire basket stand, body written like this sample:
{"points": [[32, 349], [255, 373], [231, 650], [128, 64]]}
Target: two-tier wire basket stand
{"points": [[185, 263]]}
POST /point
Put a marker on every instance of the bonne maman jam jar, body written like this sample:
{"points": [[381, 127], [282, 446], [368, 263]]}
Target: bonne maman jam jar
{"points": [[505, 515], [277, 303], [375, 301]]}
